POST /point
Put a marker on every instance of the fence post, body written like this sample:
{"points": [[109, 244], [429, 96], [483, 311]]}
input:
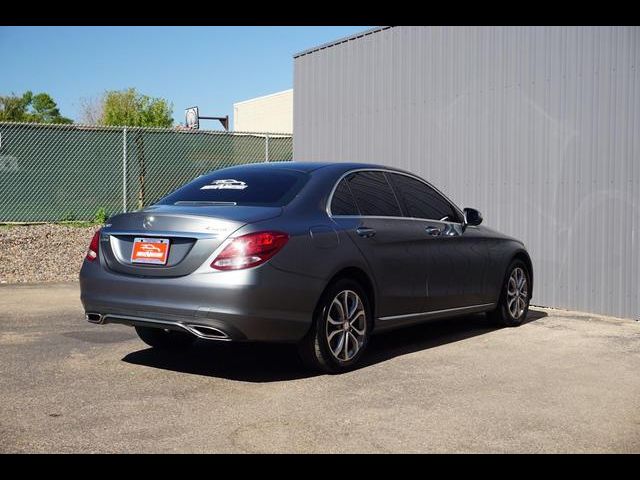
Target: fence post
{"points": [[266, 148], [124, 169]]}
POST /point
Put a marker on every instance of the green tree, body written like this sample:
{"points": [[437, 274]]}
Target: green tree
{"points": [[45, 110], [132, 109], [14, 108], [39, 108]]}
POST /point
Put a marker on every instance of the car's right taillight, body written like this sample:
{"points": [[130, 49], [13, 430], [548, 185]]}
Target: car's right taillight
{"points": [[94, 247], [250, 250]]}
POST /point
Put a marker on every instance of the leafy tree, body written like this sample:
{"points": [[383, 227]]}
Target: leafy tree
{"points": [[45, 110], [39, 108], [130, 108], [13, 108]]}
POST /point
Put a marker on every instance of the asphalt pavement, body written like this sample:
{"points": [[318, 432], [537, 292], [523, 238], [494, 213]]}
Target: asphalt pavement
{"points": [[562, 382]]}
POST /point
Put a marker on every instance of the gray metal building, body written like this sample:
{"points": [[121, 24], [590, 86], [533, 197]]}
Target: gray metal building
{"points": [[538, 127]]}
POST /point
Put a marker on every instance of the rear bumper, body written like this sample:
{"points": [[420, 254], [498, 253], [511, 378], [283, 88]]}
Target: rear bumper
{"points": [[260, 304], [199, 330]]}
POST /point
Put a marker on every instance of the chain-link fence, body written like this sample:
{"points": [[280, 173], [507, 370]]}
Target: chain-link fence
{"points": [[69, 172]]}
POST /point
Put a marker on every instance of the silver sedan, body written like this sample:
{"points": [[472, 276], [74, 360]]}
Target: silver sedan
{"points": [[319, 254]]}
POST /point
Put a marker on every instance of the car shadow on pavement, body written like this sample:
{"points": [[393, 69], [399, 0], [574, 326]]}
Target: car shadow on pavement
{"points": [[432, 334], [250, 362]]}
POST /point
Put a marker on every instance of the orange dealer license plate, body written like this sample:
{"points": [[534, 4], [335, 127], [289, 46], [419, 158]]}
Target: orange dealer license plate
{"points": [[150, 250]]}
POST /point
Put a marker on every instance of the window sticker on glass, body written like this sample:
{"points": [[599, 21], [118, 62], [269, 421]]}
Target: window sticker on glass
{"points": [[227, 184]]}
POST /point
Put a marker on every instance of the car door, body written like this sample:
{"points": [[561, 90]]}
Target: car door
{"points": [[365, 206], [455, 258]]}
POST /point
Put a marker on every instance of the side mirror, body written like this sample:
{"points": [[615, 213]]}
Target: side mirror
{"points": [[472, 216]]}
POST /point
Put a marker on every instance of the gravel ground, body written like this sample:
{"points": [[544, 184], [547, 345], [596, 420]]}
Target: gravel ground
{"points": [[42, 253]]}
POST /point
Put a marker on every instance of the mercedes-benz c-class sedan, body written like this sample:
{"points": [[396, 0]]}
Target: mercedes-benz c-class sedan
{"points": [[319, 254]]}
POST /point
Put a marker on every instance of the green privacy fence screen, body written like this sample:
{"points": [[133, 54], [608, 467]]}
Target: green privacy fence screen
{"points": [[51, 173]]}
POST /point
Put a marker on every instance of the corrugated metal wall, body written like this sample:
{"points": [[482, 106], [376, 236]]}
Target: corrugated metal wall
{"points": [[538, 127]]}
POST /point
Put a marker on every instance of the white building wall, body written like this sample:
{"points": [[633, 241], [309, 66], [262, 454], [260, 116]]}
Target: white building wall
{"points": [[271, 113]]}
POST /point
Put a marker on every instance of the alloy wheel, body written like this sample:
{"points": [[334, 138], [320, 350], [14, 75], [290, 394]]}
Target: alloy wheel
{"points": [[517, 293], [346, 325]]}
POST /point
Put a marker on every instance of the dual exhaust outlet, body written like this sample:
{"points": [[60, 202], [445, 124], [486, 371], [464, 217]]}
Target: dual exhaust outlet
{"points": [[201, 331]]}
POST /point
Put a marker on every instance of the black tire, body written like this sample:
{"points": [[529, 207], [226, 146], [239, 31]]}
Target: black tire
{"points": [[503, 315], [165, 339], [315, 349]]}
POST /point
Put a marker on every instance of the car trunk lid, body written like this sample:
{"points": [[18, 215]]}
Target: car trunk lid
{"points": [[193, 232]]}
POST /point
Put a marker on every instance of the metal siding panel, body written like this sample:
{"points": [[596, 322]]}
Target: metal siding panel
{"points": [[536, 126]]}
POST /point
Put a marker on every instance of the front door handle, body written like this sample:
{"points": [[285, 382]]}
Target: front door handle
{"points": [[365, 232], [433, 231]]}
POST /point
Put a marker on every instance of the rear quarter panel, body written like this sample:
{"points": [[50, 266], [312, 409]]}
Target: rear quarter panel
{"points": [[316, 249]]}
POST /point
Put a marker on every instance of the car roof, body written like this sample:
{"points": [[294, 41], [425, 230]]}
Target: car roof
{"points": [[311, 166]]}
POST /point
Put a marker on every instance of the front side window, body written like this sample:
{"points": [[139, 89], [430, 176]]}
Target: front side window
{"points": [[422, 201], [373, 194]]}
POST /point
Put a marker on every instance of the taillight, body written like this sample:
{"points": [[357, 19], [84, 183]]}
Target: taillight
{"points": [[94, 247], [250, 250]]}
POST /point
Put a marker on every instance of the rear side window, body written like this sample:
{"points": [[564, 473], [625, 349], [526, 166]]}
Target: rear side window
{"points": [[343, 202], [422, 201], [373, 194], [255, 187]]}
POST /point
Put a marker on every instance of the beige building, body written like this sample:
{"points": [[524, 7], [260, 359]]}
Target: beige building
{"points": [[270, 113]]}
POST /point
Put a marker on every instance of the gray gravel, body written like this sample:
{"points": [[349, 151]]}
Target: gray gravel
{"points": [[42, 253]]}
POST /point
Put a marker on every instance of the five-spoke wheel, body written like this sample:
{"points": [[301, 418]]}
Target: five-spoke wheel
{"points": [[346, 325], [515, 294], [340, 329]]}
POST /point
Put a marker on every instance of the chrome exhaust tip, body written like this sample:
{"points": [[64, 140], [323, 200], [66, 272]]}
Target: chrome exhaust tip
{"points": [[207, 332], [93, 317]]}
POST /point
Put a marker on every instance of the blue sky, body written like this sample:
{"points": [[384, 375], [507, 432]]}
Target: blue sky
{"points": [[211, 67]]}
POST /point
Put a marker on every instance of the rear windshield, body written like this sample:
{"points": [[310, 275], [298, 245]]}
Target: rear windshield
{"points": [[260, 187]]}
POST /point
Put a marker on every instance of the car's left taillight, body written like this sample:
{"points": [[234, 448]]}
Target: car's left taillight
{"points": [[250, 250], [94, 247]]}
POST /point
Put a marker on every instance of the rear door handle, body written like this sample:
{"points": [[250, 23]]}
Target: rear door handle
{"points": [[433, 231], [365, 232]]}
